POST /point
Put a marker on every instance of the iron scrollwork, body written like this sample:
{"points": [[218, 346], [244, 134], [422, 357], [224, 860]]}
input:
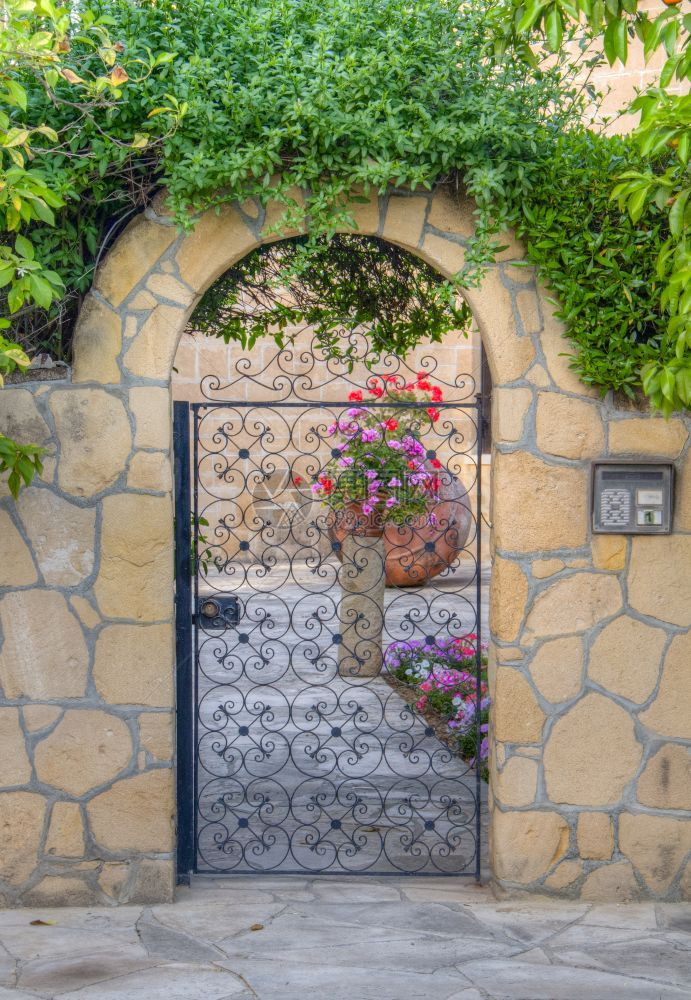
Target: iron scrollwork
{"points": [[301, 765]]}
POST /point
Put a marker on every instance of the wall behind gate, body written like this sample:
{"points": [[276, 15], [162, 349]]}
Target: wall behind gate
{"points": [[591, 640]]}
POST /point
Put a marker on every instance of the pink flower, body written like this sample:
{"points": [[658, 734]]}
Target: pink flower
{"points": [[345, 462], [391, 502], [394, 482], [395, 445], [370, 434], [367, 508]]}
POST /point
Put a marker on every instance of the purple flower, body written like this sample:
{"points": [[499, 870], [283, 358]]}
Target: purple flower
{"points": [[367, 508], [391, 502], [345, 462], [394, 482], [370, 434], [371, 474], [395, 445]]}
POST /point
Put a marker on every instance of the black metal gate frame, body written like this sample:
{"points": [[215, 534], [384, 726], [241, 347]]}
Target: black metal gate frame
{"points": [[186, 418]]}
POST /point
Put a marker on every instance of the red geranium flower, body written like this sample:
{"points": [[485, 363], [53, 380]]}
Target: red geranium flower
{"points": [[376, 390], [437, 395], [391, 424], [355, 397], [297, 480], [435, 463], [433, 414]]}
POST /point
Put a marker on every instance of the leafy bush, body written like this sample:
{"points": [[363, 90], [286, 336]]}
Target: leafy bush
{"points": [[331, 95]]}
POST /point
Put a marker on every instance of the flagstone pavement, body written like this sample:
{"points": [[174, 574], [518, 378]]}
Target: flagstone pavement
{"points": [[356, 939]]}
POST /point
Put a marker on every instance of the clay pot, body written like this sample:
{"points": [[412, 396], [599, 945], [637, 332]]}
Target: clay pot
{"points": [[419, 551], [353, 521]]}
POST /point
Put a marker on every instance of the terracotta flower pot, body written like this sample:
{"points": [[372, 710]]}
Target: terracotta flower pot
{"points": [[419, 551], [353, 521]]}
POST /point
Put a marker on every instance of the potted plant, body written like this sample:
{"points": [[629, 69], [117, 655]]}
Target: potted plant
{"points": [[380, 480]]}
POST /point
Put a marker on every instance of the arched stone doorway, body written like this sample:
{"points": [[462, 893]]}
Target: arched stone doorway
{"points": [[589, 636]]}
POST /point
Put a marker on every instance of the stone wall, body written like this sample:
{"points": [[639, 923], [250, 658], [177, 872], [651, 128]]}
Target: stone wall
{"points": [[590, 636]]}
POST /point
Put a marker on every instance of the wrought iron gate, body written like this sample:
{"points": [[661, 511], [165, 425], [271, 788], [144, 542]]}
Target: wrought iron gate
{"points": [[298, 749]]}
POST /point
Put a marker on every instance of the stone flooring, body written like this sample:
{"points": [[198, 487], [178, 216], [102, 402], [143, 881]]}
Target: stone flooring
{"points": [[357, 939]]}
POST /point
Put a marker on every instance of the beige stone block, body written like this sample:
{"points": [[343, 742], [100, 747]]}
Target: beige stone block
{"points": [[559, 352], [136, 814], [591, 754], [153, 882], [113, 878], [20, 419], [365, 213], [136, 575], [43, 654], [15, 768], [682, 499], [452, 212], [405, 217], [59, 890], [537, 375], [133, 665], [151, 352], [595, 836], [85, 750], [685, 884], [134, 254], [647, 436], [95, 439], [666, 780], [670, 713], [508, 654], [609, 552], [165, 286], [564, 875], [97, 343], [568, 427], [611, 884], [153, 420], [61, 534], [143, 301], [66, 832], [524, 845], [659, 579], [509, 409], [16, 566], [542, 568], [38, 717], [217, 241], [84, 611], [655, 845], [508, 595], [150, 471], [557, 668], [443, 255], [509, 355], [21, 828], [625, 658], [529, 311], [536, 505], [516, 783], [518, 717], [574, 604], [156, 734]]}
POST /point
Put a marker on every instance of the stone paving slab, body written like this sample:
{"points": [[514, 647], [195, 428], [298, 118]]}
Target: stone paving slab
{"points": [[347, 939]]}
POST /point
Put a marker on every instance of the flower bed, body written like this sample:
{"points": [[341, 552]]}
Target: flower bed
{"points": [[440, 679]]}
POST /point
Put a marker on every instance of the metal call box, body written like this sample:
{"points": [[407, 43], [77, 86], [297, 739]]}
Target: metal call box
{"points": [[633, 498]]}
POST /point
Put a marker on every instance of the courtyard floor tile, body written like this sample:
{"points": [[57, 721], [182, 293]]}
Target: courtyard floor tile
{"points": [[357, 939]]}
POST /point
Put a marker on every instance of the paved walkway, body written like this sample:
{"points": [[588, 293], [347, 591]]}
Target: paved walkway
{"points": [[361, 939]]}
